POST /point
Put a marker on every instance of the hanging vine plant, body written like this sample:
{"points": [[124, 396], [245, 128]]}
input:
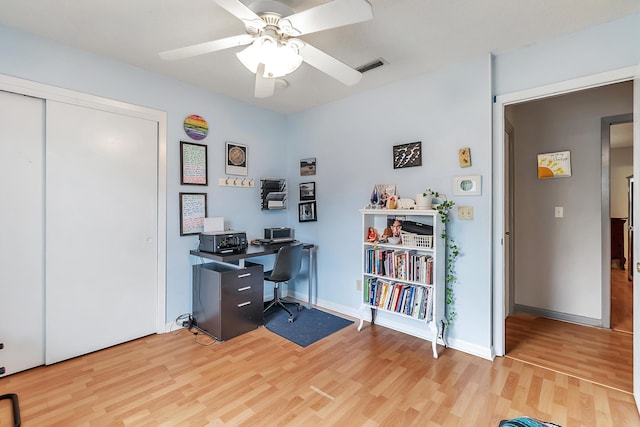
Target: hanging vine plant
{"points": [[452, 250]]}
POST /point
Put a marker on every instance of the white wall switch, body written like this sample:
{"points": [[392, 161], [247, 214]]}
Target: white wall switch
{"points": [[559, 211], [465, 212]]}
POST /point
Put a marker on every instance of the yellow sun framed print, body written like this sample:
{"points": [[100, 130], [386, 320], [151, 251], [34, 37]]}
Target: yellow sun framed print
{"points": [[554, 165]]}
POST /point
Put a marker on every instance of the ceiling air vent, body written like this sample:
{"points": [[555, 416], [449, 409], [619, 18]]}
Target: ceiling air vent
{"points": [[371, 65]]}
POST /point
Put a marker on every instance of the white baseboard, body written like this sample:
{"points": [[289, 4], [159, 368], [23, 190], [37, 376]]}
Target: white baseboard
{"points": [[419, 330]]}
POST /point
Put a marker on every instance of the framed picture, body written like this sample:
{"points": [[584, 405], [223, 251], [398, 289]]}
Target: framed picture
{"points": [[193, 211], [407, 155], [464, 157], [236, 156], [308, 191], [273, 193], [554, 165], [307, 212], [467, 185], [308, 166], [193, 163]]}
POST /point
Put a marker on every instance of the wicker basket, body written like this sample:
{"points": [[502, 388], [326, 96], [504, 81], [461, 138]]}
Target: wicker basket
{"points": [[417, 240]]}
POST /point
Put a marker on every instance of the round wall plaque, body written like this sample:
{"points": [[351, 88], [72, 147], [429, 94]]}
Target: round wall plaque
{"points": [[196, 127]]}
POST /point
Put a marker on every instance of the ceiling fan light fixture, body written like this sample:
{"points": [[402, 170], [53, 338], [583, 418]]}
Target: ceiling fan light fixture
{"points": [[278, 56]]}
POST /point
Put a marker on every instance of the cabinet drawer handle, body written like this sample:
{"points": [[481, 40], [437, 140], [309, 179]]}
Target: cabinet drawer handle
{"points": [[246, 288], [244, 275], [243, 304]]}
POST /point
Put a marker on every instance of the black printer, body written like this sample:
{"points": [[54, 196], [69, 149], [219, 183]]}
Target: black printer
{"points": [[223, 242]]}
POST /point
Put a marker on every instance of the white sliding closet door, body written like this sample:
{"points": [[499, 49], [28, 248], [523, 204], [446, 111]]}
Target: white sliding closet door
{"points": [[101, 229], [21, 238]]}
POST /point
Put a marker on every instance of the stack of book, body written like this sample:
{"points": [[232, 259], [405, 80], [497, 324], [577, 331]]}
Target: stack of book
{"points": [[400, 264], [410, 300]]}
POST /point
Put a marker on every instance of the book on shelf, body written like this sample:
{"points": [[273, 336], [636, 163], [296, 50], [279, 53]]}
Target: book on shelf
{"points": [[407, 306], [415, 310], [384, 294], [425, 309]]}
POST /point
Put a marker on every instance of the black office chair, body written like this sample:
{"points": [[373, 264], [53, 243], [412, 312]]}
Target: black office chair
{"points": [[286, 267], [15, 406]]}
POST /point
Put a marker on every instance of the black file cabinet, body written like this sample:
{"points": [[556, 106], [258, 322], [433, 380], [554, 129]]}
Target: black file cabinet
{"points": [[227, 301]]}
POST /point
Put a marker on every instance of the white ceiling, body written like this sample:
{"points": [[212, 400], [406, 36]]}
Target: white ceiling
{"points": [[412, 36]]}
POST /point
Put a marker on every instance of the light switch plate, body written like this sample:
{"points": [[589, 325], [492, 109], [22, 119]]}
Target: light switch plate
{"points": [[465, 212]]}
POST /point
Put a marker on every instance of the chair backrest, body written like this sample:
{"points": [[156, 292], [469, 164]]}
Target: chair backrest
{"points": [[288, 262]]}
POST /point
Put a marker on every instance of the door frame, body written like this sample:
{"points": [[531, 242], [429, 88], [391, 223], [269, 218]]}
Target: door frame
{"points": [[509, 236], [500, 225], [46, 92], [605, 137]]}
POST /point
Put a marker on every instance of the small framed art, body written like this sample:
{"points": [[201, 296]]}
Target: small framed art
{"points": [[307, 212], [236, 156], [308, 191], [193, 163], [467, 185], [193, 211], [407, 155], [554, 165], [308, 166], [464, 157]]}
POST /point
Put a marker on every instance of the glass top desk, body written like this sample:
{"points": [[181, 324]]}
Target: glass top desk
{"points": [[254, 251]]}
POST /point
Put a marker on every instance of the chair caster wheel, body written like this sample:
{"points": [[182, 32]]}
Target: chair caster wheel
{"points": [[290, 319], [299, 308]]}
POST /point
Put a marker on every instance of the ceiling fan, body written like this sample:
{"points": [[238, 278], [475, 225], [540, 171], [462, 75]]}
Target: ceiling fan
{"points": [[274, 49]]}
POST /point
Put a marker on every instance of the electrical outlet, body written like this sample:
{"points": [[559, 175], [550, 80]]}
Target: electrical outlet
{"points": [[358, 285], [559, 212], [465, 212]]}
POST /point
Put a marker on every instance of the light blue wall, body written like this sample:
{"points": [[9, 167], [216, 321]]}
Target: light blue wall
{"points": [[601, 48], [352, 141], [32, 58]]}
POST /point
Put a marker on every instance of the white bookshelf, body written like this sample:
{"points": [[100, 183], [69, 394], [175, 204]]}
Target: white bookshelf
{"points": [[405, 279]]}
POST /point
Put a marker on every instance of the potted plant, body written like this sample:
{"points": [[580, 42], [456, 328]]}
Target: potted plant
{"points": [[443, 206], [434, 198]]}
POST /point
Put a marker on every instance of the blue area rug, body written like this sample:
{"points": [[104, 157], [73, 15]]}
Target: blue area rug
{"points": [[309, 325]]}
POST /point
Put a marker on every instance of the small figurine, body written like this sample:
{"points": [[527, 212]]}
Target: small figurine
{"points": [[386, 234], [372, 235], [392, 202]]}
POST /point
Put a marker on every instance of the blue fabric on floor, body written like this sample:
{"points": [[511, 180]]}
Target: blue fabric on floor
{"points": [[309, 325], [526, 422]]}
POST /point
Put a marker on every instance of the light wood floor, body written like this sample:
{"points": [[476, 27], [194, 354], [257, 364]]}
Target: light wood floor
{"points": [[602, 356], [599, 355], [376, 377], [621, 301]]}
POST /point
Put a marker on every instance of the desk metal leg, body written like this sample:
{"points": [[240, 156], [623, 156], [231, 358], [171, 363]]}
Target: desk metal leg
{"points": [[312, 279]]}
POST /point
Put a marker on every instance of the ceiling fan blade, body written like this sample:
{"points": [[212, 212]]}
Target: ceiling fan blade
{"points": [[238, 9], [336, 13], [330, 65], [207, 47], [265, 86]]}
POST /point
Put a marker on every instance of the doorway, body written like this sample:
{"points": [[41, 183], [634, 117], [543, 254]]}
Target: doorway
{"points": [[559, 270], [499, 220], [618, 147], [558, 255]]}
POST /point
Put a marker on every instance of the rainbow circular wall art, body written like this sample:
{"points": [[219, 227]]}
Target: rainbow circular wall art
{"points": [[196, 127]]}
